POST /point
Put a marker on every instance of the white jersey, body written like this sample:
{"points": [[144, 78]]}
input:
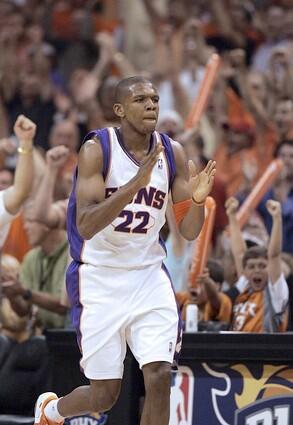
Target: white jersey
{"points": [[132, 240]]}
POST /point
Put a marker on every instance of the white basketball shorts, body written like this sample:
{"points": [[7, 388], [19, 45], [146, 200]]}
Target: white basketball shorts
{"points": [[112, 307]]}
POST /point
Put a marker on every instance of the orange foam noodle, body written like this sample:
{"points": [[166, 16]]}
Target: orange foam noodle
{"points": [[200, 102], [261, 187], [200, 254]]}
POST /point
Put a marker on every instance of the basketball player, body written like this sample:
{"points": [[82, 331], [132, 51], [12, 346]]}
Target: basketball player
{"points": [[119, 290]]}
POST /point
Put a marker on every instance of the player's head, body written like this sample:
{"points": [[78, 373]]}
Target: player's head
{"points": [[137, 104], [255, 267]]}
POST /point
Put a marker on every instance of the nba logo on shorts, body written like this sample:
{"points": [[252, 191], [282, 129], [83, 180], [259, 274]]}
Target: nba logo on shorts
{"points": [[160, 163], [181, 406]]}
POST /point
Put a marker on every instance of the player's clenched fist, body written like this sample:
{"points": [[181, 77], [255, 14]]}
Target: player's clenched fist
{"points": [[144, 174], [25, 131]]}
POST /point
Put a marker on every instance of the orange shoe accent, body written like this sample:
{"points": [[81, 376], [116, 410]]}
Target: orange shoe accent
{"points": [[41, 403]]}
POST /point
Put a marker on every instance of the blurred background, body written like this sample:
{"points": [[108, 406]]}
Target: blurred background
{"points": [[59, 64]]}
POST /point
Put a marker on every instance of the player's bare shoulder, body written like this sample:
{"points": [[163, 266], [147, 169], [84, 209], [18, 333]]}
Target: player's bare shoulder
{"points": [[90, 157]]}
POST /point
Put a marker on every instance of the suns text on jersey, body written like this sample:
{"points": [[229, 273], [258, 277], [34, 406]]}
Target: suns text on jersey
{"points": [[149, 196]]}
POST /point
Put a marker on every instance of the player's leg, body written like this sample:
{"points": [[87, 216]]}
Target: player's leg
{"points": [[153, 336], [157, 381], [99, 396], [103, 347]]}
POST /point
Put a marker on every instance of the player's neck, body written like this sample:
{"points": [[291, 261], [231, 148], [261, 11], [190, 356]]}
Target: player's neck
{"points": [[133, 140]]}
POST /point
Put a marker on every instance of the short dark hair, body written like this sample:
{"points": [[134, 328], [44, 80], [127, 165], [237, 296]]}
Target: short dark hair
{"points": [[283, 142], [216, 271], [123, 86], [254, 252]]}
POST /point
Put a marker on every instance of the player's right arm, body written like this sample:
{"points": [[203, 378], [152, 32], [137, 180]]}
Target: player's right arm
{"points": [[94, 212]]}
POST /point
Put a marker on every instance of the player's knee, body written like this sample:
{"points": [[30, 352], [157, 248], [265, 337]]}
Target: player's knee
{"points": [[158, 379], [104, 397]]}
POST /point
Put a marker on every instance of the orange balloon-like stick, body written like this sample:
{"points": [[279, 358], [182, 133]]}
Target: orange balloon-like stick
{"points": [[206, 86], [261, 187], [200, 255]]}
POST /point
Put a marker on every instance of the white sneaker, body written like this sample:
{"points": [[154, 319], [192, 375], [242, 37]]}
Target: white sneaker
{"points": [[41, 403]]}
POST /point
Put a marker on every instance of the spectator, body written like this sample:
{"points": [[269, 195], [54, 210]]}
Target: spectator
{"points": [[46, 211], [284, 118], [274, 37], [207, 283], [12, 198], [237, 147], [13, 326], [261, 307], [25, 362], [42, 274], [66, 133], [28, 100], [282, 191], [6, 178]]}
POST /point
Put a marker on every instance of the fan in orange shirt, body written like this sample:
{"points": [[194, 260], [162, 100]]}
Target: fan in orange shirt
{"points": [[261, 307]]}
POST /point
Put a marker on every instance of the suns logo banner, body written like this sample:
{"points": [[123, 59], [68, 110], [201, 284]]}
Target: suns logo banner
{"points": [[273, 411], [182, 386], [92, 419], [243, 394]]}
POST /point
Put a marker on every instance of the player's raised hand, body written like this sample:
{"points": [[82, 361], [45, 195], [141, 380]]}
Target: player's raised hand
{"points": [[25, 131], [147, 165], [274, 208], [231, 205], [201, 183], [57, 156]]}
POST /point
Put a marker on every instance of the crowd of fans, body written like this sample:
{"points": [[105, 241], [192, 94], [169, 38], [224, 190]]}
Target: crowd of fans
{"points": [[60, 61]]}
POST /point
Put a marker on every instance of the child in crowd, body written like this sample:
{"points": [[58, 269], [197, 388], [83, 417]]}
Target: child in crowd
{"points": [[208, 283], [262, 305]]}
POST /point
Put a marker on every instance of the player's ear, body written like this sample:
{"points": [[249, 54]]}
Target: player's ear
{"points": [[119, 110]]}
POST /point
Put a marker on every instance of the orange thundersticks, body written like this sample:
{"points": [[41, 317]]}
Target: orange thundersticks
{"points": [[206, 86], [201, 251], [261, 187]]}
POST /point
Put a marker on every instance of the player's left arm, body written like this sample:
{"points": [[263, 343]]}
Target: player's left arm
{"points": [[188, 185]]}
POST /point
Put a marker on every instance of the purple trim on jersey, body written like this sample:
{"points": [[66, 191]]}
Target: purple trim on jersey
{"points": [[162, 243], [121, 143], [72, 286], [75, 240], [103, 136], [180, 325], [170, 158]]}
